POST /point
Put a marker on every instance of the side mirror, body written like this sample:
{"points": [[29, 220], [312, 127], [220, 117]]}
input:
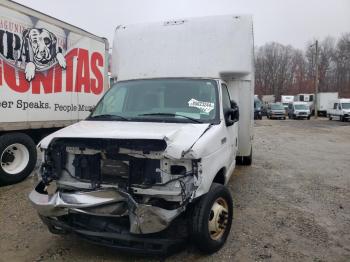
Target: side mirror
{"points": [[235, 108], [232, 115], [92, 109]]}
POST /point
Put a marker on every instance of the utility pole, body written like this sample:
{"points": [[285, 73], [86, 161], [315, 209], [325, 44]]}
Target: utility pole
{"points": [[316, 78]]}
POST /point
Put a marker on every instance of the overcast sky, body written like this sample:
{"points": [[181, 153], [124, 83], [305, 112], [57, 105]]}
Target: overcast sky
{"points": [[286, 21]]}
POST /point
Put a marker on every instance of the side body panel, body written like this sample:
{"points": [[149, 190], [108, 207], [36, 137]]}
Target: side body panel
{"points": [[51, 73], [242, 91], [324, 100]]}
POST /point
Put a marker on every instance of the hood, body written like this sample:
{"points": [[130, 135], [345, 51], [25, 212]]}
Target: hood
{"points": [[180, 137]]}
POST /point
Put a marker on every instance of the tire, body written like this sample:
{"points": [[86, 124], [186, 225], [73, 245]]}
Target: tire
{"points": [[214, 209], [17, 157], [308, 118], [284, 118], [342, 119], [329, 117], [294, 117]]}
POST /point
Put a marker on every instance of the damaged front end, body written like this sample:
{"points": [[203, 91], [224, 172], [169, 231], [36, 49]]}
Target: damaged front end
{"points": [[128, 182]]}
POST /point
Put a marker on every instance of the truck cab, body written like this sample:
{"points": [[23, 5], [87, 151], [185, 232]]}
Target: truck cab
{"points": [[340, 109], [161, 145]]}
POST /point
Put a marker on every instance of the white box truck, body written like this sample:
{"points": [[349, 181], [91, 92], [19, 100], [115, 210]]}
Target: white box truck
{"points": [[161, 145], [51, 74], [324, 101]]}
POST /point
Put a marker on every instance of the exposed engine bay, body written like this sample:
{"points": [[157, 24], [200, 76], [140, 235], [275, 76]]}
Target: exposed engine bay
{"points": [[122, 179]]}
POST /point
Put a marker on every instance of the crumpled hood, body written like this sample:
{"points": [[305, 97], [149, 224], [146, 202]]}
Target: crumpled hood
{"points": [[180, 137]]}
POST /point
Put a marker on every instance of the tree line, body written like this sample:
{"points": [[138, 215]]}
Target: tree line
{"points": [[285, 70]]}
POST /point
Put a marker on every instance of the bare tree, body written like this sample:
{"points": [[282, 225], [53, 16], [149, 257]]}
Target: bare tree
{"points": [[281, 69]]}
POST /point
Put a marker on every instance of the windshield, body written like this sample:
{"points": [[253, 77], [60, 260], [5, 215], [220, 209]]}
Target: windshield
{"points": [[301, 107], [277, 107], [165, 100], [257, 104], [345, 105]]}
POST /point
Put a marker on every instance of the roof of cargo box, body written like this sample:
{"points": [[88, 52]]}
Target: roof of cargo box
{"points": [[206, 47]]}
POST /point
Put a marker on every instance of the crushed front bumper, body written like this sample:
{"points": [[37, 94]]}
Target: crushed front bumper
{"points": [[108, 202], [112, 218], [98, 232]]}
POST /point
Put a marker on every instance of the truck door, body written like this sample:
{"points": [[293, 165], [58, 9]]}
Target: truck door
{"points": [[231, 130]]}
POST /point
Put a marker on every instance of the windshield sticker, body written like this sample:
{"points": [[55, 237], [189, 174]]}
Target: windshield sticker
{"points": [[206, 107]]}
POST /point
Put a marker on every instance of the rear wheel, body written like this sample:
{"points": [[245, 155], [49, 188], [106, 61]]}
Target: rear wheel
{"points": [[211, 219], [245, 160], [17, 157]]}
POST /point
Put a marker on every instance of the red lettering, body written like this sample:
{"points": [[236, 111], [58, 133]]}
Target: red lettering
{"points": [[83, 72], [69, 69], [96, 84], [20, 86], [0, 73], [58, 79], [45, 79]]}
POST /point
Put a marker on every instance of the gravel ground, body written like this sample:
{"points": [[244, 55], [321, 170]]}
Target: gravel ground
{"points": [[292, 204]]}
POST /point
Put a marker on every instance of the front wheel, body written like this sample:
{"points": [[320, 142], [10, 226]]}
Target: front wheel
{"points": [[211, 219], [17, 157]]}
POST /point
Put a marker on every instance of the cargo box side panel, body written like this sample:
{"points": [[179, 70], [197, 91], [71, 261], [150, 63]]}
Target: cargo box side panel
{"points": [[242, 92], [47, 72]]}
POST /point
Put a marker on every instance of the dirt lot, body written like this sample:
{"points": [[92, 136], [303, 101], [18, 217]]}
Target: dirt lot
{"points": [[292, 204]]}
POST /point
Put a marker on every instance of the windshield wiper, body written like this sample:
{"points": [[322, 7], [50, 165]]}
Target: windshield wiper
{"points": [[171, 114], [108, 116]]}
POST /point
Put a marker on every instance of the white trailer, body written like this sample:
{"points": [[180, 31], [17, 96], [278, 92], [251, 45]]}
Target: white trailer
{"points": [[324, 101], [285, 100], [308, 98], [268, 99], [164, 139], [51, 75]]}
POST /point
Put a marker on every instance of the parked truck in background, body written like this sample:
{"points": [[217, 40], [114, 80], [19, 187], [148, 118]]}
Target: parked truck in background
{"points": [[257, 108], [339, 109], [299, 110], [162, 143], [285, 100], [307, 98], [51, 75], [324, 102]]}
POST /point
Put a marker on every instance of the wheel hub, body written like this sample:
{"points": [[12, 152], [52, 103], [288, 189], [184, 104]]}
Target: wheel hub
{"points": [[218, 219], [8, 157], [14, 159]]}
